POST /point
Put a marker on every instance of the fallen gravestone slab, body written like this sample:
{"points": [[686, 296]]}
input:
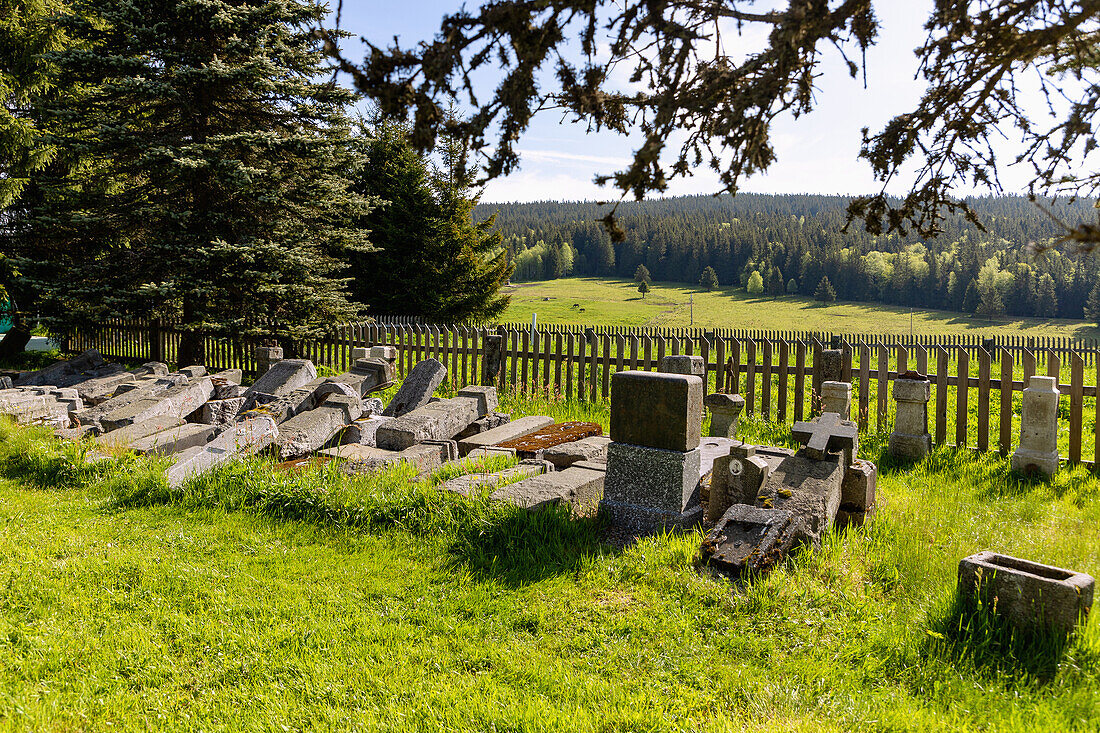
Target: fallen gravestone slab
{"points": [[484, 425], [141, 389], [281, 408], [363, 431], [509, 431], [425, 457], [175, 440], [593, 448], [748, 538], [242, 439], [473, 484], [283, 378], [125, 436], [439, 420], [809, 488], [533, 444], [417, 388], [311, 430], [220, 411], [580, 486], [178, 402]]}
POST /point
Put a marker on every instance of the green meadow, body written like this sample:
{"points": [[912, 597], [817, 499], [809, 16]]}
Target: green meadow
{"points": [[257, 600], [618, 303]]}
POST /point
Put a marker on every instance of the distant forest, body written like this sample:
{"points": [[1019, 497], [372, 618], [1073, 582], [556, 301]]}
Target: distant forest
{"points": [[794, 242]]}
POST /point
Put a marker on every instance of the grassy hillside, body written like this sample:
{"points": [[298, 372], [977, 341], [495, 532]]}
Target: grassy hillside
{"points": [[618, 303]]}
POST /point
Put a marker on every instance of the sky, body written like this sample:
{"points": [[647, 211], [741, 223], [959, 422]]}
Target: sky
{"points": [[816, 153]]}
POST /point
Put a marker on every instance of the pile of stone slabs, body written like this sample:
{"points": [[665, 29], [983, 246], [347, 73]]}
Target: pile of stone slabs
{"points": [[533, 444], [580, 487]]}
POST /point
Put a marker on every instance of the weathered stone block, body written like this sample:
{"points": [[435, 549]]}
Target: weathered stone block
{"points": [[424, 457], [363, 431], [311, 430], [88, 361], [436, 421], [266, 356], [474, 483], [220, 412], [656, 410], [178, 402], [736, 478], [725, 410], [484, 425], [682, 364], [386, 352], [808, 487], [194, 372], [837, 397], [486, 397], [242, 439], [417, 388], [129, 434], [649, 488], [508, 431], [857, 490], [284, 377], [593, 449], [1028, 595], [175, 440], [578, 486]]}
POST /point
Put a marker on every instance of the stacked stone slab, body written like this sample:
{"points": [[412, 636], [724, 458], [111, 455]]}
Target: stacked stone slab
{"points": [[578, 487], [592, 449], [244, 438], [281, 379], [309, 431], [417, 389], [653, 460], [910, 439], [178, 401], [837, 397], [266, 357], [56, 373], [175, 440], [682, 364], [1038, 450], [508, 431], [440, 420]]}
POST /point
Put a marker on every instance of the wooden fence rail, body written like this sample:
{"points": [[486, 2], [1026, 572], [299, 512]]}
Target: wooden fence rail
{"points": [[776, 371]]}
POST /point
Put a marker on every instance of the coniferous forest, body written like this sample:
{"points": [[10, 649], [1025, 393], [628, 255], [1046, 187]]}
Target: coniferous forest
{"points": [[794, 242]]}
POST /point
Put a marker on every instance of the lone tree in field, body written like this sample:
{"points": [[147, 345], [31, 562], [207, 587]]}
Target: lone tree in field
{"points": [[697, 97], [755, 285], [643, 288], [709, 278], [825, 292], [218, 186], [642, 275]]}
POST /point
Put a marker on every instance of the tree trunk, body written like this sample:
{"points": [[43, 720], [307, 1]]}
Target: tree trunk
{"points": [[15, 341], [192, 343]]}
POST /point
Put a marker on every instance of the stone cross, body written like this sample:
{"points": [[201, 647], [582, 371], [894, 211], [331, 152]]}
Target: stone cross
{"points": [[827, 434]]}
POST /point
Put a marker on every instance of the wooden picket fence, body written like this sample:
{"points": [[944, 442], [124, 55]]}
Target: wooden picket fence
{"points": [[976, 383]]}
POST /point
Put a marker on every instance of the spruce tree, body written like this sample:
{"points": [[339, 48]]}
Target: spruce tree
{"points": [[709, 278], [824, 291], [643, 288], [972, 299], [1046, 302], [775, 282], [1092, 305], [792, 287], [219, 189], [642, 275], [431, 259], [991, 304]]}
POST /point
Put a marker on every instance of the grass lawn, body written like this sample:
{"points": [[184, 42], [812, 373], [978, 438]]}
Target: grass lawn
{"points": [[618, 303], [256, 600]]}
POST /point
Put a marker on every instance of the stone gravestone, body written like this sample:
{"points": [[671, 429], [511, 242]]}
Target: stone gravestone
{"points": [[837, 397], [682, 364], [725, 410], [491, 359], [652, 479], [266, 356], [910, 439], [417, 388], [830, 369], [1038, 451]]}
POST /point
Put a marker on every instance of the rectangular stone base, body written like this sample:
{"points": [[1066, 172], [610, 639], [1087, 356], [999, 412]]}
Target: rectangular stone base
{"points": [[1029, 461], [910, 447], [651, 488]]}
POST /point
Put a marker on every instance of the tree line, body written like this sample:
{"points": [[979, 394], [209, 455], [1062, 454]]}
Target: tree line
{"points": [[773, 245]]}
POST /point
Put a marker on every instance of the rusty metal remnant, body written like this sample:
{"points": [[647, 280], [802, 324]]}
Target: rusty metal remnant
{"points": [[531, 444]]}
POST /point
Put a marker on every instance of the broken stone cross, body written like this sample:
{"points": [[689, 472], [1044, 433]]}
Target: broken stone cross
{"points": [[827, 434]]}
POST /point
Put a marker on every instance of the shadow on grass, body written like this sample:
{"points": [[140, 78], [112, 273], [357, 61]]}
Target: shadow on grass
{"points": [[517, 547], [970, 632]]}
